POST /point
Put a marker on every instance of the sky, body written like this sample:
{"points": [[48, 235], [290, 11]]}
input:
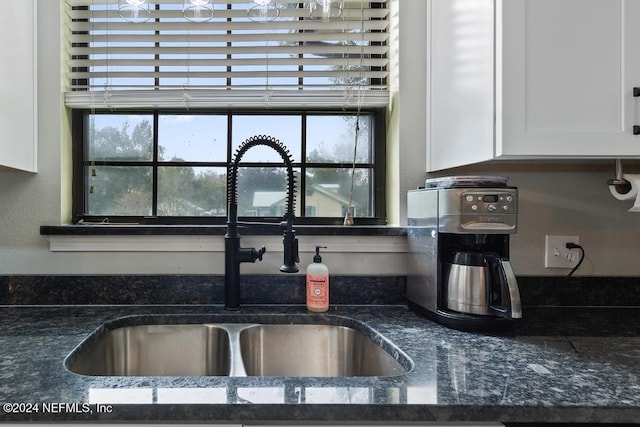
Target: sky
{"points": [[203, 138]]}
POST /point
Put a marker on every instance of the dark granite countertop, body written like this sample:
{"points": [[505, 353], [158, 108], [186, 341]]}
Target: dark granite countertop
{"points": [[558, 365]]}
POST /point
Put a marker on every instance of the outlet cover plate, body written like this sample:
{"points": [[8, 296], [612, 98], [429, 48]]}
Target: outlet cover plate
{"points": [[556, 254]]}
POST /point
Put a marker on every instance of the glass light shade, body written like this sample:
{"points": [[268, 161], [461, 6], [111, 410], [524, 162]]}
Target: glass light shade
{"points": [[263, 11], [134, 10], [197, 10], [325, 10]]}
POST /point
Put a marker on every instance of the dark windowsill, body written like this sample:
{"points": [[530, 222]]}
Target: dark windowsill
{"points": [[216, 230]]}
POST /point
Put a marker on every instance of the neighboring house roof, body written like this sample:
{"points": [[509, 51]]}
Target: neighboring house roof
{"points": [[275, 198], [268, 198], [330, 190]]}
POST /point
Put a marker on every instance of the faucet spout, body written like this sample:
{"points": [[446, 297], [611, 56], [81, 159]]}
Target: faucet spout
{"points": [[234, 253]]}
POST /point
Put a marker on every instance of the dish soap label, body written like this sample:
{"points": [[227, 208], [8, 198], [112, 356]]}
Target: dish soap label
{"points": [[317, 284], [317, 292]]}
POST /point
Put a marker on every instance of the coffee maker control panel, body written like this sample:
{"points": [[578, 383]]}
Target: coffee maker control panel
{"points": [[475, 210], [473, 202]]}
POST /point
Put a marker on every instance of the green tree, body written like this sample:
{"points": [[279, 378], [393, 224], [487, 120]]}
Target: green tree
{"points": [[142, 140], [210, 192], [175, 191], [120, 190]]}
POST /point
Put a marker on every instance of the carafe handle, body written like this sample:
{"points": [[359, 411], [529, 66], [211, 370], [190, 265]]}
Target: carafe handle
{"points": [[508, 287]]}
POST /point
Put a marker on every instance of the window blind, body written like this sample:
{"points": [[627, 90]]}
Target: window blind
{"points": [[228, 61]]}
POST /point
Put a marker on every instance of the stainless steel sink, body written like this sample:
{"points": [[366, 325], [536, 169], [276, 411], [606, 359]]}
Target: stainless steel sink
{"points": [[235, 349], [157, 350], [313, 351]]}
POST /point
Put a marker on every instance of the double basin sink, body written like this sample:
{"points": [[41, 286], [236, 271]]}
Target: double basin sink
{"points": [[197, 346]]}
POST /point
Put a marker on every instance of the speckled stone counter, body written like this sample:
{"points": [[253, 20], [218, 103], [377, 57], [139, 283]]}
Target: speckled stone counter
{"points": [[559, 365]]}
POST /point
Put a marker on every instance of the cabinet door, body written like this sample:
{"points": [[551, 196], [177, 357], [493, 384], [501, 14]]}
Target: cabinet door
{"points": [[18, 119], [568, 71], [460, 82]]}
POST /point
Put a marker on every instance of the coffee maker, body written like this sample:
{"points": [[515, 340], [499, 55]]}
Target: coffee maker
{"points": [[459, 269]]}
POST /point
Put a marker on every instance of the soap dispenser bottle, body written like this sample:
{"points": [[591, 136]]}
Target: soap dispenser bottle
{"points": [[317, 284]]}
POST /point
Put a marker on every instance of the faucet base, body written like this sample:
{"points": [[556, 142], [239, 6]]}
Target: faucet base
{"points": [[289, 269]]}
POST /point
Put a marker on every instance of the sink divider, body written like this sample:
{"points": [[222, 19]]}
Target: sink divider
{"points": [[236, 363]]}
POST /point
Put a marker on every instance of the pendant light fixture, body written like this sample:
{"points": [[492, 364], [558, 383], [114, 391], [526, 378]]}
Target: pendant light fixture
{"points": [[197, 10], [134, 10], [263, 11], [325, 10]]}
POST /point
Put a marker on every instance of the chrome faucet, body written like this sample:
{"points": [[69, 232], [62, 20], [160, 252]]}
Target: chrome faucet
{"points": [[233, 253]]}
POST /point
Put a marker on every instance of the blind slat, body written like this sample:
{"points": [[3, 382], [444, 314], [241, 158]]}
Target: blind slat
{"points": [[185, 39], [239, 98], [185, 27], [223, 62], [347, 3], [349, 14], [231, 74], [317, 50]]}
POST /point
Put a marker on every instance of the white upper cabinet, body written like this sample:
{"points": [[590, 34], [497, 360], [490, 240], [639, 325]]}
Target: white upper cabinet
{"points": [[532, 79], [18, 91]]}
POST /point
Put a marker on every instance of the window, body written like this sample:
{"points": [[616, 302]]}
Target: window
{"points": [[165, 167], [160, 107]]}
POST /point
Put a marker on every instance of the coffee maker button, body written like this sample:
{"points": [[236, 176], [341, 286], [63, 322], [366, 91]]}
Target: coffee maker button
{"points": [[491, 208], [505, 207], [469, 198], [474, 207]]}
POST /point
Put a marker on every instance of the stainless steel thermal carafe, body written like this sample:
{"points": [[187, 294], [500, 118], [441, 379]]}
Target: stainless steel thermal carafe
{"points": [[482, 284], [468, 284]]}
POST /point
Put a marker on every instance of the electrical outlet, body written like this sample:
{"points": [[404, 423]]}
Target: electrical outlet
{"points": [[556, 254]]}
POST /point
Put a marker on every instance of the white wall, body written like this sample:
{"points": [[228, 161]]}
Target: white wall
{"points": [[29, 200], [557, 198]]}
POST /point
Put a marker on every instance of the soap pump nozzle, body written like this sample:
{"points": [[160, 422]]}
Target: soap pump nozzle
{"points": [[317, 258]]}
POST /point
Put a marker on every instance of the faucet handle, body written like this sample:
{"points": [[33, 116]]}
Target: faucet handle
{"points": [[296, 253], [250, 254], [291, 256], [259, 253]]}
